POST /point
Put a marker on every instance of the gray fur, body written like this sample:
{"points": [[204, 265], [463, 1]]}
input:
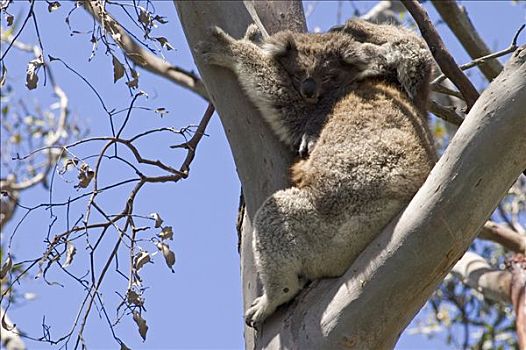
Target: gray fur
{"points": [[373, 152]]}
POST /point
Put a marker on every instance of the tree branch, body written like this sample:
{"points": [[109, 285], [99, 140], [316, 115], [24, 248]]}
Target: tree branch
{"points": [[518, 296], [457, 19], [449, 114], [55, 136], [262, 161], [506, 237], [482, 60], [139, 55], [385, 11], [476, 272], [442, 56]]}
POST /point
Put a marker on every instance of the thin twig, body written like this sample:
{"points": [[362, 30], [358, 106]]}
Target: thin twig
{"points": [[481, 60], [140, 56], [458, 21]]}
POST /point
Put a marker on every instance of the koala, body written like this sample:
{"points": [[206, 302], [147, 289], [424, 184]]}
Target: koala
{"points": [[363, 124]]}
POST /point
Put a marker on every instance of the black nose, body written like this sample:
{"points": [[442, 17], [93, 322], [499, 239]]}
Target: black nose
{"points": [[308, 88]]}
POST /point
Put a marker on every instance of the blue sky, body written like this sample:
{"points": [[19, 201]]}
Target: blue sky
{"points": [[199, 306]]}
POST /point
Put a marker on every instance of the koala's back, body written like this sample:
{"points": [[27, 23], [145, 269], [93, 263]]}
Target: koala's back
{"points": [[373, 154]]}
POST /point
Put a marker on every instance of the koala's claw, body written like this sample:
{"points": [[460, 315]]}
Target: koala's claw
{"points": [[307, 145], [253, 34], [258, 311], [215, 50]]}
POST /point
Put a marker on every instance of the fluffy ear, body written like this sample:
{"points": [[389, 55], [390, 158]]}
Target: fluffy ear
{"points": [[280, 44]]}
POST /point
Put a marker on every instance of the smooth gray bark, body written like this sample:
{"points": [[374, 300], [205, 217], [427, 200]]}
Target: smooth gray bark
{"points": [[262, 161], [476, 272]]}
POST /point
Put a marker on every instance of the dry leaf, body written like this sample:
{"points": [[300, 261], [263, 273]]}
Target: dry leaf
{"points": [[70, 162], [5, 325], [6, 267], [157, 218], [124, 347], [32, 72], [70, 253], [169, 256], [166, 233], [141, 323], [160, 19], [134, 83], [85, 176], [10, 19], [134, 298], [164, 43], [4, 75], [140, 260], [118, 69], [52, 6]]}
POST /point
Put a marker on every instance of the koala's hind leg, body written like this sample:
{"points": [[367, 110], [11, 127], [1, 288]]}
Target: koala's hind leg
{"points": [[280, 285], [280, 245]]}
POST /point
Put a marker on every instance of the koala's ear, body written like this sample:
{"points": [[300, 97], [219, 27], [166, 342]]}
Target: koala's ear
{"points": [[280, 44]]}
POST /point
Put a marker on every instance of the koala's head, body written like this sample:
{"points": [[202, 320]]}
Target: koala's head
{"points": [[317, 64]]}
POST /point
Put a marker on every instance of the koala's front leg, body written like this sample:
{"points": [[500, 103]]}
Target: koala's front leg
{"points": [[312, 129], [262, 78]]}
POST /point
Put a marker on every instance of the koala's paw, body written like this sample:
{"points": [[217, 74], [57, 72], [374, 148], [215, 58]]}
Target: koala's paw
{"points": [[307, 145], [258, 312], [217, 49], [253, 34]]}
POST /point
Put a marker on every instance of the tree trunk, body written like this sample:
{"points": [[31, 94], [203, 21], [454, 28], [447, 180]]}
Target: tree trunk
{"points": [[262, 161], [373, 302]]}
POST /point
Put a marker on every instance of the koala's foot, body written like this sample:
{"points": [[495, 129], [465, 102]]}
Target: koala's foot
{"points": [[280, 286], [307, 145], [217, 49], [258, 311]]}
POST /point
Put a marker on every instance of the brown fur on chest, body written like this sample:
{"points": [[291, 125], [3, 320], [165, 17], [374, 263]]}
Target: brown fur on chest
{"points": [[370, 107]]}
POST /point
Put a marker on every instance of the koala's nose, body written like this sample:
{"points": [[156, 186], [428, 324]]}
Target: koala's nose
{"points": [[309, 88]]}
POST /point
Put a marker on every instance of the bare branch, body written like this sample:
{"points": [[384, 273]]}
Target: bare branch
{"points": [[517, 266], [482, 60], [442, 56], [56, 135], [194, 141], [385, 11], [477, 273], [447, 113], [458, 21], [139, 55], [506, 237]]}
